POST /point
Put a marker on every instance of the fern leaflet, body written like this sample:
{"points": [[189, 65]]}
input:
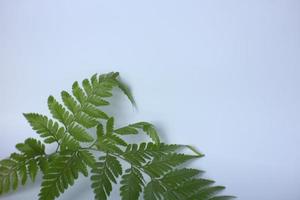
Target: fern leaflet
{"points": [[107, 170]]}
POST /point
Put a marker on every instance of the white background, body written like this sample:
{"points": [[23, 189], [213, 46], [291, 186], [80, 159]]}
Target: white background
{"points": [[220, 75]]}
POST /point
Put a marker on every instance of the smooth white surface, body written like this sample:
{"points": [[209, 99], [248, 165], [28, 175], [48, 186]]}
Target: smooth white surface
{"points": [[219, 75]]}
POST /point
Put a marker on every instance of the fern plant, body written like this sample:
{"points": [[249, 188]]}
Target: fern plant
{"points": [[151, 169]]}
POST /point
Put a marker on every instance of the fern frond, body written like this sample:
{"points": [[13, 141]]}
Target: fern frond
{"points": [[85, 120], [147, 127], [87, 87], [110, 126], [154, 166], [146, 151], [45, 127], [126, 91], [131, 184], [43, 163], [99, 87], [107, 170], [70, 102], [69, 143], [8, 172], [186, 189], [31, 147], [183, 184], [94, 112], [178, 184], [104, 84], [160, 165], [108, 146], [97, 101], [154, 190], [207, 193], [108, 141], [18, 166], [59, 112], [61, 174], [79, 133], [87, 157], [78, 93], [178, 176], [114, 139]]}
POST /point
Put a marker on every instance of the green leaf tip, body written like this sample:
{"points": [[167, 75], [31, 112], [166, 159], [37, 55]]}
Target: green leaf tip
{"points": [[194, 150], [127, 91]]}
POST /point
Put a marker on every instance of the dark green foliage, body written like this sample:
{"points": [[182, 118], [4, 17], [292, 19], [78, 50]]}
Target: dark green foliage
{"points": [[47, 128], [19, 167], [132, 184], [158, 166], [155, 169], [148, 128], [106, 171]]}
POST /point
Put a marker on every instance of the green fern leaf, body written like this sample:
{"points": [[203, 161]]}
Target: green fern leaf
{"points": [[59, 112], [87, 158], [99, 131], [160, 165], [109, 140], [94, 112], [97, 101], [113, 139], [105, 84], [131, 184], [108, 146], [109, 143], [207, 193], [17, 167], [8, 169], [127, 130], [110, 125], [78, 93], [104, 174], [62, 172], [99, 87], [126, 91], [33, 169], [85, 120], [31, 147], [94, 80], [176, 185], [43, 164], [76, 150], [148, 128], [15, 180], [6, 184], [47, 128], [185, 190], [22, 171], [69, 143], [70, 102], [154, 190], [146, 151], [179, 176], [87, 87], [79, 133]]}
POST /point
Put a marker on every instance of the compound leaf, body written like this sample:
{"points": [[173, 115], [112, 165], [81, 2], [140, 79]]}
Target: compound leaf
{"points": [[46, 128], [131, 184], [107, 170]]}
